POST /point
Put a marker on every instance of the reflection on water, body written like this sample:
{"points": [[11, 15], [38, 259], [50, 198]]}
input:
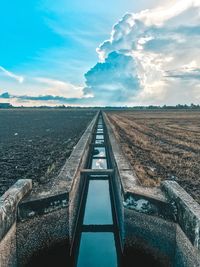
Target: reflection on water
{"points": [[97, 250], [99, 152], [97, 244], [99, 142], [98, 207], [99, 164], [100, 136]]}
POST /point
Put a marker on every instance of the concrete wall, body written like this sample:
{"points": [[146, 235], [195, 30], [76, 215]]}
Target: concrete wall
{"points": [[117, 185], [8, 252], [187, 214], [77, 183], [152, 235], [8, 215], [186, 255], [40, 233], [187, 211]]}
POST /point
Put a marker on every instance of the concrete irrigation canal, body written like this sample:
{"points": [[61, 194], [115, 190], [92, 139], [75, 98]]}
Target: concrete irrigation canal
{"points": [[95, 213], [97, 230]]}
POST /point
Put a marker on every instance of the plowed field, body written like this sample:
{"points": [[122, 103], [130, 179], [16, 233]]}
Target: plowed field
{"points": [[161, 145], [35, 143]]}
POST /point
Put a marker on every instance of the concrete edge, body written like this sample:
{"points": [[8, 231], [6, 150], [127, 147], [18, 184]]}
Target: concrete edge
{"points": [[186, 254], [187, 211], [81, 150], [77, 183], [69, 170], [9, 203], [129, 181]]}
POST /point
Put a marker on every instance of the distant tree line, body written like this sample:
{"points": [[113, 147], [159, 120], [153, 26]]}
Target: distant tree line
{"points": [[150, 107]]}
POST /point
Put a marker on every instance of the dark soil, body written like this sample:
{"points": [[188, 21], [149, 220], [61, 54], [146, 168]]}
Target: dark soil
{"points": [[35, 143]]}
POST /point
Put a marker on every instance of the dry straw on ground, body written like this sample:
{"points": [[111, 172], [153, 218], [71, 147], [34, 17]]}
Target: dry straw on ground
{"points": [[162, 145]]}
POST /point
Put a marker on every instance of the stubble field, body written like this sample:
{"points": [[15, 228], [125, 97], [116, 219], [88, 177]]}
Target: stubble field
{"points": [[161, 145], [35, 143]]}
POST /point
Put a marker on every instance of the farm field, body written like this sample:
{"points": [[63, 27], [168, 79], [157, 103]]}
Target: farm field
{"points": [[161, 145], [35, 143]]}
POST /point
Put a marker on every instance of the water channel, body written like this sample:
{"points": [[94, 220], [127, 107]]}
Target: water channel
{"points": [[97, 241], [97, 246]]}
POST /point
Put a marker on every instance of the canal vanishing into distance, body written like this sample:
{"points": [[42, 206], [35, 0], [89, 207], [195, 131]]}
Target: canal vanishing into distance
{"points": [[97, 237]]}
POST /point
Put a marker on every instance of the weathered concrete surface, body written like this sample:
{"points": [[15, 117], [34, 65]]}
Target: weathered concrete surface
{"points": [[8, 213], [128, 178], [186, 254], [81, 156], [144, 204], [187, 211], [119, 207], [8, 257], [9, 202], [152, 235], [40, 233], [37, 207]]}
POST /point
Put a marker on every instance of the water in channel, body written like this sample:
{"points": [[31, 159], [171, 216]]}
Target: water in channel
{"points": [[97, 246], [98, 240]]}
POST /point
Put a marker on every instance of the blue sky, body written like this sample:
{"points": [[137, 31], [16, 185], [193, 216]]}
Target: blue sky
{"points": [[48, 47], [62, 34]]}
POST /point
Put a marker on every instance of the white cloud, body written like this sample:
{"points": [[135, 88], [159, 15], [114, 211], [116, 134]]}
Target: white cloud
{"points": [[111, 81], [12, 75], [37, 90], [151, 57], [59, 88], [164, 43], [171, 10]]}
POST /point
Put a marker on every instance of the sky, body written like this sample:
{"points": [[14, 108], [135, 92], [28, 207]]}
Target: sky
{"points": [[88, 53]]}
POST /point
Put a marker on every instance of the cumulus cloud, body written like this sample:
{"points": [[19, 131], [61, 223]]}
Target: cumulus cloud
{"points": [[59, 88], [160, 51], [12, 75], [112, 80]]}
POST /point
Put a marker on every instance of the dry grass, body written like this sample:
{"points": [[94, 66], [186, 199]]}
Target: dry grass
{"points": [[161, 145]]}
